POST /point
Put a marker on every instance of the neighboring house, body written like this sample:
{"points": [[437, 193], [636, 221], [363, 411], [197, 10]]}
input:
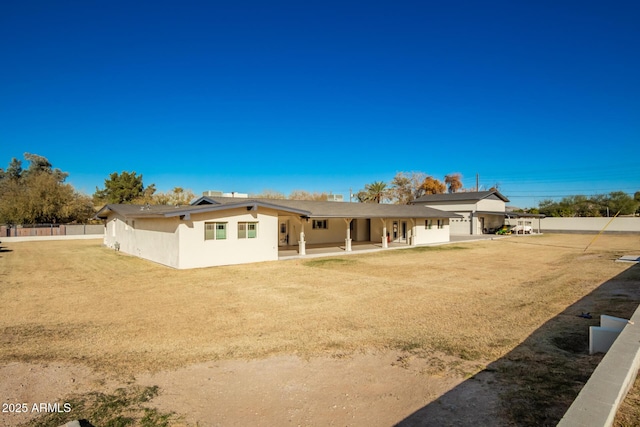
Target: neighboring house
{"points": [[221, 231], [481, 211]]}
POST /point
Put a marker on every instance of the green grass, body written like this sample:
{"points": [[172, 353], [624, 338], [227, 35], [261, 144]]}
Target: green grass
{"points": [[421, 249], [328, 262], [122, 408]]}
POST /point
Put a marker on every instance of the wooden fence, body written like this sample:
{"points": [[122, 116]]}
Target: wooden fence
{"points": [[50, 230]]}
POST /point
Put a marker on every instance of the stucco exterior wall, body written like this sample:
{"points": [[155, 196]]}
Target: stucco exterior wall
{"points": [[152, 239], [196, 251], [376, 229], [424, 235], [416, 229], [335, 232], [619, 224], [491, 205]]}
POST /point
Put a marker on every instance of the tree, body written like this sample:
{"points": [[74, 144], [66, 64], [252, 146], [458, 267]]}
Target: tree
{"points": [[453, 181], [593, 206], [431, 185], [13, 201], [376, 192], [406, 187], [305, 195], [176, 197], [269, 194], [39, 194], [14, 170], [622, 202], [122, 188]]}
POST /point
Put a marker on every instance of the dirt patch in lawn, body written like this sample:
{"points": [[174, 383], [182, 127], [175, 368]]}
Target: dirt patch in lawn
{"points": [[402, 333]]}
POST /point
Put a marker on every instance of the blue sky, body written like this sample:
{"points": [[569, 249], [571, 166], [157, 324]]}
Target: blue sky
{"points": [[541, 97]]}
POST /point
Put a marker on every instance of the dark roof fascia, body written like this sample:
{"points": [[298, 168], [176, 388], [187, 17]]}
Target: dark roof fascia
{"points": [[500, 195], [435, 213], [201, 199], [247, 203], [501, 213], [524, 215], [459, 197], [104, 211], [127, 213], [134, 211]]}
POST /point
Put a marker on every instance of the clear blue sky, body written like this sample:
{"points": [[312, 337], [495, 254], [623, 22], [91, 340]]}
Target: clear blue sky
{"points": [[541, 97]]}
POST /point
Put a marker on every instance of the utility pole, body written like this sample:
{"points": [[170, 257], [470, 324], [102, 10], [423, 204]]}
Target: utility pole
{"points": [[477, 182]]}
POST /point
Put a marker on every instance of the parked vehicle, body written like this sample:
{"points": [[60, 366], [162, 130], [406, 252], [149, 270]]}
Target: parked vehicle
{"points": [[522, 229], [504, 230]]}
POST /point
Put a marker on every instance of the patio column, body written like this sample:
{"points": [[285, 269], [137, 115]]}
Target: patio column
{"points": [[348, 239], [302, 245], [412, 235], [385, 245]]}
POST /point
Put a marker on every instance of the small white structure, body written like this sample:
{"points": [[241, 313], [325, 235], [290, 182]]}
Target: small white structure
{"points": [[221, 230], [602, 337]]}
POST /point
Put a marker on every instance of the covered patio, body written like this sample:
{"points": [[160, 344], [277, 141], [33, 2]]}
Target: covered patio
{"points": [[323, 249]]}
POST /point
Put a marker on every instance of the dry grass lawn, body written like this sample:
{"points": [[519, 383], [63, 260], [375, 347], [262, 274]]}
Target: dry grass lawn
{"points": [[77, 301]]}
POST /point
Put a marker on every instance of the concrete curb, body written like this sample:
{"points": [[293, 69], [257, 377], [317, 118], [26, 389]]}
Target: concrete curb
{"points": [[599, 400]]}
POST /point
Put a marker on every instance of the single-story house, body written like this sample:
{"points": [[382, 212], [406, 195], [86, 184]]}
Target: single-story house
{"points": [[214, 231], [481, 211]]}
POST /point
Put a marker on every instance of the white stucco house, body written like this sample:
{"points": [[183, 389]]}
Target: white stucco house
{"points": [[214, 231], [480, 211]]}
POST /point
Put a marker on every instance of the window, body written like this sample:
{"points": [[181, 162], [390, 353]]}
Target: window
{"points": [[215, 230], [319, 224], [441, 223], [247, 230], [428, 224]]}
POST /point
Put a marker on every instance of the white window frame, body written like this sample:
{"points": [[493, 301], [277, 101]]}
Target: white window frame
{"points": [[245, 226], [215, 230]]}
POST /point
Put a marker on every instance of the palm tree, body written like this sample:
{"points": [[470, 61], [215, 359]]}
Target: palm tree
{"points": [[376, 192]]}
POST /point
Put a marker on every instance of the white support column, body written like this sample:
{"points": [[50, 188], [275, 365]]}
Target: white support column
{"points": [[385, 245], [347, 242], [302, 245], [412, 235]]}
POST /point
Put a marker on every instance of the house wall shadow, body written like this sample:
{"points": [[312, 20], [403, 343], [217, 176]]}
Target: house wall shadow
{"points": [[536, 382]]}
